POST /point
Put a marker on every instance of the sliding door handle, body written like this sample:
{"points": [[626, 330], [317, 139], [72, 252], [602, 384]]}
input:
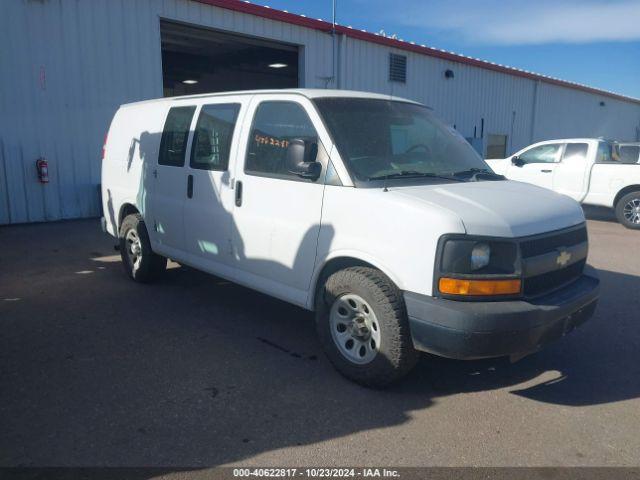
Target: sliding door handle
{"points": [[238, 194], [190, 186]]}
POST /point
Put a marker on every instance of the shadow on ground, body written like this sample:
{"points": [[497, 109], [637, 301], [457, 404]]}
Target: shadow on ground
{"points": [[602, 214], [196, 371]]}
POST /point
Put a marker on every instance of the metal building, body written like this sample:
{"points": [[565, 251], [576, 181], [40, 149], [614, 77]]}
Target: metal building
{"points": [[66, 66]]}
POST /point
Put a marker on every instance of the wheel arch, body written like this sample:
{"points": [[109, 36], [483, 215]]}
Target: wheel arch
{"points": [[340, 262], [126, 208], [624, 191]]}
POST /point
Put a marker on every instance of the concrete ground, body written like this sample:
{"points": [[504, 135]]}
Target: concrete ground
{"points": [[194, 371]]}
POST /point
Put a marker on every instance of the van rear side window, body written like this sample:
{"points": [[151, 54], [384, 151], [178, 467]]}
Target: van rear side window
{"points": [[173, 144], [212, 139]]}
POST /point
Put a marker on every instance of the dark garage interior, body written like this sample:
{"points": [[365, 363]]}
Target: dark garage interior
{"points": [[199, 60]]}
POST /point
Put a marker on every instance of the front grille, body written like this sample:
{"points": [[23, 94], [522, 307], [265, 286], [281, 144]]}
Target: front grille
{"points": [[534, 286], [540, 245]]}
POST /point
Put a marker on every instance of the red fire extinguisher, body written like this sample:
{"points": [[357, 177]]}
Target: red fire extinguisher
{"points": [[42, 168]]}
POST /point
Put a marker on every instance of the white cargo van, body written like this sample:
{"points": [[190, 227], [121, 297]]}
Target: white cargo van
{"points": [[361, 207]]}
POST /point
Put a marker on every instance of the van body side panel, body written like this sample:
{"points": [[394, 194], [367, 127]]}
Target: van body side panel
{"points": [[130, 155], [395, 233], [208, 211], [275, 225], [169, 176]]}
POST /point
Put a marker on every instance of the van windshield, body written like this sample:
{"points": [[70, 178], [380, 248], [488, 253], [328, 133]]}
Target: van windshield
{"points": [[384, 139]]}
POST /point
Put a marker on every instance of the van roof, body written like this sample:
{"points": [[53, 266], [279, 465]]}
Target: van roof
{"points": [[305, 92]]}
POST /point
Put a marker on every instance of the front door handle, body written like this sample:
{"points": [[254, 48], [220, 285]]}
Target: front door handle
{"points": [[545, 171], [190, 186], [238, 194]]}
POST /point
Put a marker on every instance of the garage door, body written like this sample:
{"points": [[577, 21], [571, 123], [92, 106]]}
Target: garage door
{"points": [[199, 60]]}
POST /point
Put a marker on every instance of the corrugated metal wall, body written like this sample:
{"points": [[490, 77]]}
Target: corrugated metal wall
{"points": [[573, 112], [463, 101], [66, 65]]}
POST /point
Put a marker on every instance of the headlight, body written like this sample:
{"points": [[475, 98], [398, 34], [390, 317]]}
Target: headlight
{"points": [[480, 256], [478, 266], [470, 256]]}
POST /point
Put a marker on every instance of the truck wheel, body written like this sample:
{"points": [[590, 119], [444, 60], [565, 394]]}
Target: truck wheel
{"points": [[362, 325], [139, 261], [628, 210]]}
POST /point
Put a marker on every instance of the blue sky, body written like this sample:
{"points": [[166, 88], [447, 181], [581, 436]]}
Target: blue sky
{"points": [[595, 42]]}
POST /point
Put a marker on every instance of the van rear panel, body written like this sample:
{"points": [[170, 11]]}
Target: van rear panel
{"points": [[131, 153]]}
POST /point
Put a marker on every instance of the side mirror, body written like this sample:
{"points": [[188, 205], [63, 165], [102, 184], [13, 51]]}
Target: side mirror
{"points": [[301, 159], [517, 161]]}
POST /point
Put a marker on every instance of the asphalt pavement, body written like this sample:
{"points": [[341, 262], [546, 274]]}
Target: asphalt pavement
{"points": [[193, 371]]}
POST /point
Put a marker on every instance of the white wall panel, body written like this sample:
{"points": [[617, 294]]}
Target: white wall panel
{"points": [[564, 112]]}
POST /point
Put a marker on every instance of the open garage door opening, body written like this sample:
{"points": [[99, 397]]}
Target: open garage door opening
{"points": [[198, 60]]}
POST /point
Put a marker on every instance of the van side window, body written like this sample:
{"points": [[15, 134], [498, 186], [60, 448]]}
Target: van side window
{"points": [[173, 143], [575, 151], [275, 124], [212, 139], [541, 154]]}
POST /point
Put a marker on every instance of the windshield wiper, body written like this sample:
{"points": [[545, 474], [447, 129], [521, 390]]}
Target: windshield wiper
{"points": [[414, 174], [473, 174]]}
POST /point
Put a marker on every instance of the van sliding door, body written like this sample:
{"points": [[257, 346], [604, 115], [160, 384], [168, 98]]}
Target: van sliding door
{"points": [[209, 205], [170, 189]]}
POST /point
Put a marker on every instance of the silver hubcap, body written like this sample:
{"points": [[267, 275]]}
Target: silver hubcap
{"points": [[632, 211], [134, 248], [354, 328]]}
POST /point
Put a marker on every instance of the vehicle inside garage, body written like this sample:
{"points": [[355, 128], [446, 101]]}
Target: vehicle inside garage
{"points": [[199, 60]]}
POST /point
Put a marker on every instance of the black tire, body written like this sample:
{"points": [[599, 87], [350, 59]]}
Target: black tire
{"points": [[627, 202], [395, 356], [150, 266]]}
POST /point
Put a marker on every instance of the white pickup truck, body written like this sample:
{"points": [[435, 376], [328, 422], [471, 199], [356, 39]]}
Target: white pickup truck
{"points": [[361, 207], [591, 171]]}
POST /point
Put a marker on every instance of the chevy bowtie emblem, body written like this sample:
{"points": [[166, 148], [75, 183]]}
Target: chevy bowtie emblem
{"points": [[563, 258]]}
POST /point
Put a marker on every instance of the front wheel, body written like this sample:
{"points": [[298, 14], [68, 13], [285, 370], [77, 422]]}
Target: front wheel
{"points": [[362, 325], [628, 210], [139, 261]]}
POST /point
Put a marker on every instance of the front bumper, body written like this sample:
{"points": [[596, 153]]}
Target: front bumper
{"points": [[472, 330]]}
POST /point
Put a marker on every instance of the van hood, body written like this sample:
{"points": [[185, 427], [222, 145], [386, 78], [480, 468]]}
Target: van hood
{"points": [[499, 208]]}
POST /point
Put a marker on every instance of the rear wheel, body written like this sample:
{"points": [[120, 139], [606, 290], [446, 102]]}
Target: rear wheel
{"points": [[362, 325], [628, 210], [139, 261]]}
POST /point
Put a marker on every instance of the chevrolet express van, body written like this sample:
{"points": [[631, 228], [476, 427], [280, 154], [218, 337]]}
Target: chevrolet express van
{"points": [[363, 208]]}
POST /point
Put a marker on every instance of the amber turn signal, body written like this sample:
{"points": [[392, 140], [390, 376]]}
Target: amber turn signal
{"points": [[456, 286]]}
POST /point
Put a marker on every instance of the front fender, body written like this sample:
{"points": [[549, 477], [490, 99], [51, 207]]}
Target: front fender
{"points": [[350, 257]]}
